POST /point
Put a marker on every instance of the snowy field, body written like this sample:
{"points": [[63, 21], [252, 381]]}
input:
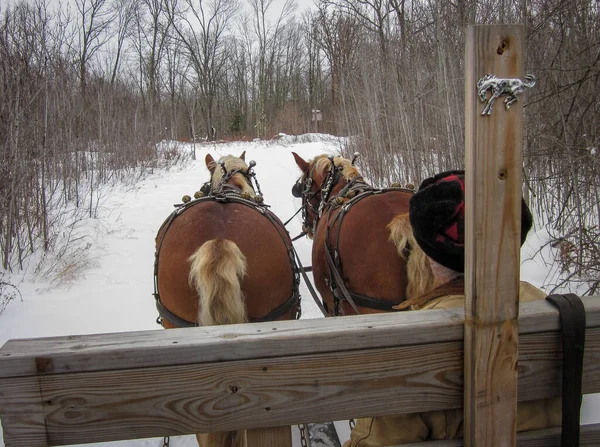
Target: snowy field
{"points": [[114, 292]]}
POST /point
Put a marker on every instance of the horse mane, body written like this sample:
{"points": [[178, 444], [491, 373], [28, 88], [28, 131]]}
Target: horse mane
{"points": [[418, 269], [349, 171], [231, 164]]}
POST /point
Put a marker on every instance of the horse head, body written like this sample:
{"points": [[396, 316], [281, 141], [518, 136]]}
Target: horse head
{"points": [[231, 172], [322, 178]]}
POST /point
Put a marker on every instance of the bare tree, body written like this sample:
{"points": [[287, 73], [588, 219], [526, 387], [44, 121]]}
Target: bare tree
{"points": [[95, 18], [124, 16], [201, 27], [268, 35], [338, 37]]}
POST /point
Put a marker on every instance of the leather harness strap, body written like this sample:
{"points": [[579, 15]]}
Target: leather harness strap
{"points": [[293, 299], [168, 315], [331, 250], [303, 271], [373, 303], [572, 321], [279, 311], [339, 282]]}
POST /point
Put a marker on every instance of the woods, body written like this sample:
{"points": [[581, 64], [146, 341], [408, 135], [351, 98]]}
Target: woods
{"points": [[88, 90]]}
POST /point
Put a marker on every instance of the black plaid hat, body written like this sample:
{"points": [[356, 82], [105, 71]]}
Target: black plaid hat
{"points": [[437, 217]]}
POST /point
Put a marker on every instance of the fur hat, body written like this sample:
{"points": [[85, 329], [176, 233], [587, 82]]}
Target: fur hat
{"points": [[437, 217]]}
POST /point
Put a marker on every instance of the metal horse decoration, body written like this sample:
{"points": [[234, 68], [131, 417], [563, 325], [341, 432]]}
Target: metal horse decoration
{"points": [[501, 86], [225, 258], [364, 257]]}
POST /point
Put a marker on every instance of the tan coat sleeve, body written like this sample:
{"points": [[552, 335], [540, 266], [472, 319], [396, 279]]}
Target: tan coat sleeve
{"points": [[435, 425], [389, 430]]}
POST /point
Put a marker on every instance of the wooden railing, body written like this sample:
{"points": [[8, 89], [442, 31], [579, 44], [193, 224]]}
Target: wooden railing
{"points": [[69, 390]]}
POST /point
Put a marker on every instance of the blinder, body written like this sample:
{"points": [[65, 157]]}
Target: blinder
{"points": [[297, 189], [206, 188]]}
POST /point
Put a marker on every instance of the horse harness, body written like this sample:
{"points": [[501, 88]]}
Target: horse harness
{"points": [[229, 195], [353, 192], [332, 236]]}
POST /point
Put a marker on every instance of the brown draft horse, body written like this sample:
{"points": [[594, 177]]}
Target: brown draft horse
{"points": [[225, 258], [363, 245]]}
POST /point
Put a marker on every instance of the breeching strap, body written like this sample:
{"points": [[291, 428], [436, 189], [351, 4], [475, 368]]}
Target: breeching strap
{"points": [[340, 282]]}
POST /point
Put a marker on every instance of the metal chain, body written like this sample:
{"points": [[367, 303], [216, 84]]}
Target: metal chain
{"points": [[166, 441], [303, 438]]}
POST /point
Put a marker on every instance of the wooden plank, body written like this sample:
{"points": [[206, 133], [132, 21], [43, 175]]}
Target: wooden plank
{"points": [[257, 340], [589, 437], [278, 436], [492, 240], [24, 423], [227, 342], [286, 390]]}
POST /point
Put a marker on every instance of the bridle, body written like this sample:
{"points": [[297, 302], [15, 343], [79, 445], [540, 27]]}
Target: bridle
{"points": [[303, 189], [248, 174]]}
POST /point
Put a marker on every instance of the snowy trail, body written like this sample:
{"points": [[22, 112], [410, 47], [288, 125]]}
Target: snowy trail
{"points": [[115, 294]]}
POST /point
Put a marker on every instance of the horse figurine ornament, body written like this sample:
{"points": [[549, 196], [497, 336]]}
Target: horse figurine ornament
{"points": [[364, 257], [225, 258], [511, 87]]}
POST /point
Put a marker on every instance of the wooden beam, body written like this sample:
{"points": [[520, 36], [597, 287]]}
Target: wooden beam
{"points": [[130, 350], [110, 402], [492, 240]]}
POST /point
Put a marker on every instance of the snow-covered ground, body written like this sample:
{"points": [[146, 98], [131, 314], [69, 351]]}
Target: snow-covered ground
{"points": [[113, 292]]}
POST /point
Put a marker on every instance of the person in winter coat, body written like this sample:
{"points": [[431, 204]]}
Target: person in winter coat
{"points": [[437, 217]]}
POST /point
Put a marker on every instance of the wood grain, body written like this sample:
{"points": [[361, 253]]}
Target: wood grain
{"points": [[100, 352], [493, 163], [278, 436], [285, 390], [22, 413]]}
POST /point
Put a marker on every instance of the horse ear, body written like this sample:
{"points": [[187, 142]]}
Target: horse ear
{"points": [[303, 165], [210, 163], [243, 156]]}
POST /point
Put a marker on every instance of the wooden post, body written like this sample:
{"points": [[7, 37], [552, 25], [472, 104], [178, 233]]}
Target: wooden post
{"points": [[492, 242]]}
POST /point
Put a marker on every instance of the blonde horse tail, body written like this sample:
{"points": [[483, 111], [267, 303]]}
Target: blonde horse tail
{"points": [[418, 270], [216, 272]]}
